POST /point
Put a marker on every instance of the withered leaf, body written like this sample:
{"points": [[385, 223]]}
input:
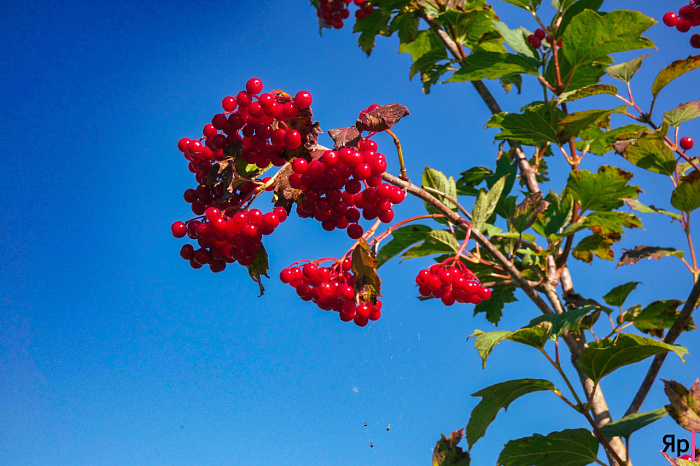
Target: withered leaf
{"points": [[632, 256], [364, 268], [685, 404], [526, 213], [284, 194], [447, 453], [259, 268], [344, 137], [381, 118]]}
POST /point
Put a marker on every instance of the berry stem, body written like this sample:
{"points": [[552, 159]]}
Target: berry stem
{"points": [[382, 236], [400, 153]]}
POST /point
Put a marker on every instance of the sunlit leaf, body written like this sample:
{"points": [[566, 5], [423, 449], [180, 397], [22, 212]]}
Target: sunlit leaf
{"points": [[570, 447], [629, 424], [674, 70], [401, 239], [684, 112], [618, 295], [686, 196], [486, 203], [625, 71]]}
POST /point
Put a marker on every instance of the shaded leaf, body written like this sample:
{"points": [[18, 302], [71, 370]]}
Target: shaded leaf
{"points": [[437, 242], [673, 71], [685, 404], [686, 196], [568, 321], [605, 356], [632, 256], [515, 38], [381, 118], [574, 300], [469, 179], [573, 123], [447, 453], [558, 212], [259, 268], [401, 239], [526, 212], [601, 142], [437, 180], [535, 336], [345, 137], [493, 307], [587, 91], [535, 125], [364, 267], [492, 65], [650, 152], [486, 204], [684, 112], [498, 396], [625, 71], [639, 207], [660, 315], [603, 190], [406, 25], [570, 447], [369, 27], [618, 295], [629, 424]]}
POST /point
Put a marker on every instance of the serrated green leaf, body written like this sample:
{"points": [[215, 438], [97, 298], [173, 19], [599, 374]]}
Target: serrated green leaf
{"points": [[471, 178], [604, 142], [426, 63], [572, 124], [573, 8], [437, 242], [593, 89], [660, 315], [577, 77], [406, 25], [486, 341], [515, 38], [650, 152], [493, 65], [625, 71], [609, 224], [602, 358], [424, 42], [639, 207], [603, 190], [486, 204], [401, 239], [526, 212], [493, 307], [673, 71], [558, 213], [371, 26], [498, 396], [570, 447], [632, 256], [629, 424], [568, 321], [682, 113], [535, 336], [618, 295], [532, 127], [597, 245], [686, 196]]}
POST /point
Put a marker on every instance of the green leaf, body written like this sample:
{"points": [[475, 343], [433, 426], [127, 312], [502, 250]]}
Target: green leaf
{"points": [[493, 65], [568, 321], [609, 224], [471, 178], [684, 112], [658, 316], [515, 38], [368, 285], [594, 245], [526, 213], [603, 142], [424, 42], [686, 196], [650, 152], [406, 25], [259, 268], [639, 207], [685, 404], [427, 62], [437, 242], [525, 4], [603, 190], [625, 71], [573, 123], [369, 27], [534, 126], [402, 238], [587, 91], [535, 336], [626, 426], [618, 295], [493, 307], [486, 341], [486, 203], [558, 213], [570, 447], [437, 180], [632, 256], [591, 37], [498, 396], [571, 8], [673, 71], [447, 453], [601, 358], [576, 76]]}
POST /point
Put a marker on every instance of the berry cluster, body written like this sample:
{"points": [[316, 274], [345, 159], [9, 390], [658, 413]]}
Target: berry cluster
{"points": [[687, 143], [331, 13], [688, 16], [536, 40], [333, 188], [332, 288], [451, 284], [223, 240], [254, 130]]}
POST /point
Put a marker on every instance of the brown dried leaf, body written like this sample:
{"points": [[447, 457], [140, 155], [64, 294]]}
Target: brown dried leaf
{"points": [[685, 404], [344, 137], [364, 268], [381, 118], [632, 256], [447, 453], [526, 213]]}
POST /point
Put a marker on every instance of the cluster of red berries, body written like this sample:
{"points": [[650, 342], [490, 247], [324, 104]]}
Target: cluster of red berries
{"points": [[255, 127], [331, 288], [223, 240], [535, 40], [331, 13], [687, 143], [451, 284], [688, 16], [333, 188]]}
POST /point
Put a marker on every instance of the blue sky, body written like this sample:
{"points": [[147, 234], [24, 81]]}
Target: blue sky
{"points": [[114, 351]]}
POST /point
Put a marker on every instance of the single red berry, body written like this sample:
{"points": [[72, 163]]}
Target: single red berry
{"points": [[534, 41], [187, 252], [683, 25], [355, 231], [254, 86], [292, 139], [687, 143], [670, 19], [687, 12], [695, 40], [540, 34], [229, 104], [484, 293], [303, 100], [178, 229]]}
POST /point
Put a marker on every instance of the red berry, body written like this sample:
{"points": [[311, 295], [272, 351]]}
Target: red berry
{"points": [[229, 104], [683, 25], [670, 19], [484, 293], [687, 12], [254, 86], [540, 34], [695, 40], [355, 231], [687, 143], [292, 139], [534, 41], [303, 100], [178, 229]]}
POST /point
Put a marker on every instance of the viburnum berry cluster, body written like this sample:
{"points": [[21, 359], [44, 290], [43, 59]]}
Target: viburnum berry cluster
{"points": [[345, 185], [688, 16], [539, 38], [254, 131], [332, 288], [451, 283], [331, 13]]}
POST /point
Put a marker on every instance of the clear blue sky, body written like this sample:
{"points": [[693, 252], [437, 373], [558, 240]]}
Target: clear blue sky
{"points": [[113, 351]]}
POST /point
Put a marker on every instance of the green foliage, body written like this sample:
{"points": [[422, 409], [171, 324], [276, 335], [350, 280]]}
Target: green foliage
{"points": [[402, 238], [447, 453], [570, 447], [626, 426], [684, 406]]}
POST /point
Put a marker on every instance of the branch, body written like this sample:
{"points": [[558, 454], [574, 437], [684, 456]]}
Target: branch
{"points": [[671, 337]]}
